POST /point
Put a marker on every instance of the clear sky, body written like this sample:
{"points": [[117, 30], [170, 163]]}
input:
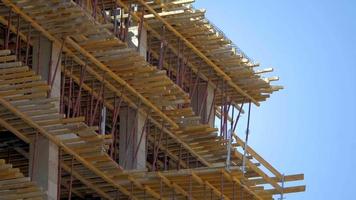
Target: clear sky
{"points": [[310, 126]]}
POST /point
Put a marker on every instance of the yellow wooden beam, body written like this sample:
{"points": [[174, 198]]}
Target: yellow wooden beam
{"points": [[258, 157]]}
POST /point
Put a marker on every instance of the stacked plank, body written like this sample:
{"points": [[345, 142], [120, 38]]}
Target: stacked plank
{"points": [[14, 185]]}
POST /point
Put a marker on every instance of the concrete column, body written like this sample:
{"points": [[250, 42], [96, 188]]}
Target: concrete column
{"points": [[45, 172], [132, 124], [103, 120], [133, 42], [209, 103], [198, 102], [48, 57]]}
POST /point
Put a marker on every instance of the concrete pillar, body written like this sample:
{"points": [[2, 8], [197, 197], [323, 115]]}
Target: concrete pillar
{"points": [[45, 172], [103, 120], [48, 57], [132, 124], [198, 102], [133, 42], [209, 103]]}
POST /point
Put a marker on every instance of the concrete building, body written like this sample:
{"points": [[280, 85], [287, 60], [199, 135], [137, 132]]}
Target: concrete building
{"points": [[127, 100]]}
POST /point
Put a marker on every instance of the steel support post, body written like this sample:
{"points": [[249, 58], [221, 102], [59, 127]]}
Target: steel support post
{"points": [[246, 139], [114, 12], [38, 55], [127, 25], [59, 174], [71, 179], [34, 156], [95, 4], [17, 52], [98, 101], [76, 109], [165, 154], [28, 43], [121, 34], [157, 149], [180, 157], [7, 38], [70, 91], [160, 188], [162, 49], [190, 187], [221, 186], [237, 118], [140, 28], [116, 112]]}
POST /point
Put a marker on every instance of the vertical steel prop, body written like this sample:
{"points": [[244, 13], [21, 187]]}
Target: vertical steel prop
{"points": [[162, 48], [99, 99], [76, 109], [103, 11], [7, 38], [156, 149], [246, 139], [70, 90], [28, 43], [121, 34], [190, 187], [233, 190], [71, 179], [237, 118], [113, 152], [165, 154], [38, 55], [221, 186], [17, 47], [59, 174], [95, 4], [180, 157], [140, 29], [63, 76], [34, 157], [127, 25]]}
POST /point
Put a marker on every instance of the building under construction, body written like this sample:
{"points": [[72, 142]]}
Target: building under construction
{"points": [[128, 99]]}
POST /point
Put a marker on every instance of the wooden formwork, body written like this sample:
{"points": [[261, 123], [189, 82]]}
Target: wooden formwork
{"points": [[114, 72], [14, 185]]}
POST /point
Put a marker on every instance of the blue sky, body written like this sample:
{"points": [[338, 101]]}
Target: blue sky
{"points": [[310, 126]]}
